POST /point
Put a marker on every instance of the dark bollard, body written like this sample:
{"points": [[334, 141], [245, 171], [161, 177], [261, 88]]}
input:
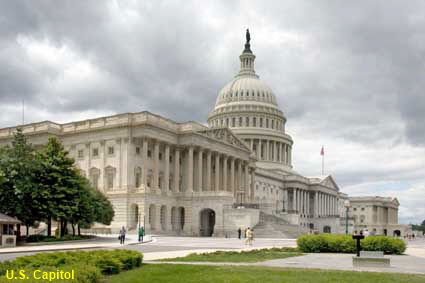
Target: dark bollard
{"points": [[358, 238]]}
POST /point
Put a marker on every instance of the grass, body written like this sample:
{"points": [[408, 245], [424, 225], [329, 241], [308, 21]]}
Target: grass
{"points": [[179, 273], [238, 256]]}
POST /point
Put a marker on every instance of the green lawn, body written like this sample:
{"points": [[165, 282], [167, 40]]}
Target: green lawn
{"points": [[179, 273], [238, 256]]}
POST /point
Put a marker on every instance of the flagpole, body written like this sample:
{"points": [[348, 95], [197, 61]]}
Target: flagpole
{"points": [[322, 152]]}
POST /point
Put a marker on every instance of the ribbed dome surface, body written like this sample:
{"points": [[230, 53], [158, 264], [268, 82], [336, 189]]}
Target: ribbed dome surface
{"points": [[246, 88]]}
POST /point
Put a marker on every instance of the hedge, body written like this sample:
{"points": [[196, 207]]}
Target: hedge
{"points": [[335, 243], [88, 266]]}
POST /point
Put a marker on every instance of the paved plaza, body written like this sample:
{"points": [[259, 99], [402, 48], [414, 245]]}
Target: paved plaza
{"points": [[168, 247]]}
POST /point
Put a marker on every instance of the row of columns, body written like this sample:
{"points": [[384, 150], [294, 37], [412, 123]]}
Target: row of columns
{"points": [[270, 150], [205, 170], [307, 203]]}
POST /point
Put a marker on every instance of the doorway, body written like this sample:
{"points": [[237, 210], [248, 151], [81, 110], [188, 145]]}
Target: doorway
{"points": [[207, 218]]}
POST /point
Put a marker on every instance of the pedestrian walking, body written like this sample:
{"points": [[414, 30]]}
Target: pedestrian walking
{"points": [[247, 233], [122, 235], [251, 237], [141, 233], [239, 233]]}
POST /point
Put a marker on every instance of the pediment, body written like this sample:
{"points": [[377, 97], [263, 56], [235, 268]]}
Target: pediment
{"points": [[330, 183], [225, 135]]}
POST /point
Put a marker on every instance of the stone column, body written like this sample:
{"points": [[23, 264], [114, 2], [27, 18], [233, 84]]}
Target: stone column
{"points": [[267, 150], [246, 195], [307, 203], [155, 166], [275, 155], [200, 170], [285, 195], [297, 203], [320, 204], [145, 163], [208, 183], [289, 155], [177, 170], [294, 197], [259, 150], [239, 187], [232, 176], [167, 168], [315, 214], [301, 198], [190, 170], [217, 172], [225, 183], [252, 184]]}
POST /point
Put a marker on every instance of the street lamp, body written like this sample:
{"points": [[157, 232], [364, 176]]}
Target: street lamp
{"points": [[347, 206]]}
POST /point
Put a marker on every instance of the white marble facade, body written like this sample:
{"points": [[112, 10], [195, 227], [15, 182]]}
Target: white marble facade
{"points": [[188, 178]]}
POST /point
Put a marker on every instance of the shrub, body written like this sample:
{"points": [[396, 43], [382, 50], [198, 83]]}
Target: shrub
{"points": [[83, 274], [388, 245], [43, 238], [105, 262], [345, 244]]}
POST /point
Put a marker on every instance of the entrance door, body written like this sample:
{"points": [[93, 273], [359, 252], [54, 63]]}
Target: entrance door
{"points": [[207, 218]]}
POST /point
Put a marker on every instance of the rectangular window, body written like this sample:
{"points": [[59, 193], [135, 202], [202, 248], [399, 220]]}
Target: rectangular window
{"points": [[95, 181], [247, 122], [261, 122], [137, 150], [80, 153], [110, 180], [240, 121], [149, 154], [267, 123], [254, 122], [233, 122], [160, 156], [95, 152], [110, 150]]}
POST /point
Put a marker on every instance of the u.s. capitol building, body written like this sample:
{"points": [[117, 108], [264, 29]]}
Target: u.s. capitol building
{"points": [[191, 179]]}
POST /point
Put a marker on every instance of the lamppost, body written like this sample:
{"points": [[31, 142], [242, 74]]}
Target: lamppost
{"points": [[347, 206]]}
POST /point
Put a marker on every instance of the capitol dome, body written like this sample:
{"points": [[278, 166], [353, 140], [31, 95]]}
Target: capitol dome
{"points": [[248, 106]]}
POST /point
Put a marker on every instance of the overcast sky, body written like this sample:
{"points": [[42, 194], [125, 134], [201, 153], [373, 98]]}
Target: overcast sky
{"points": [[347, 74]]}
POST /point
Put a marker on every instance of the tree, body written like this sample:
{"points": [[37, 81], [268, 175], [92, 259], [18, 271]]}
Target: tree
{"points": [[20, 192], [423, 223], [68, 196], [60, 182]]}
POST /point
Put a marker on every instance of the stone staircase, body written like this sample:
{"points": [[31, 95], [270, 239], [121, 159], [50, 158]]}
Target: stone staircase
{"points": [[271, 226]]}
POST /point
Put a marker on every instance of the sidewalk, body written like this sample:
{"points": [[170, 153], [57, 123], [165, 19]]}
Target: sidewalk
{"points": [[104, 241]]}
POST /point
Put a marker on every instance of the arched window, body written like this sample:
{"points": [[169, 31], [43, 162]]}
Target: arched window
{"points": [[137, 177]]}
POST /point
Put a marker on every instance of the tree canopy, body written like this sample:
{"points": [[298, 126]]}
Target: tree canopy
{"points": [[45, 184]]}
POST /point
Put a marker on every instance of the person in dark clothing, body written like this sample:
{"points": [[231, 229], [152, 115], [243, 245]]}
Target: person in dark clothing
{"points": [[239, 232]]}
